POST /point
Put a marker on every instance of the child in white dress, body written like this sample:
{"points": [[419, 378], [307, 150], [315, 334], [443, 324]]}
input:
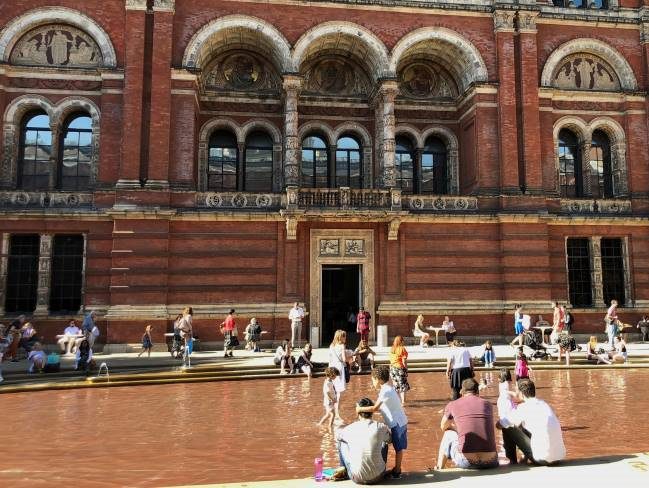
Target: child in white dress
{"points": [[330, 397]]}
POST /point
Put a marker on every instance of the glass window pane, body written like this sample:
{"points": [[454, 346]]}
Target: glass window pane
{"points": [[44, 137], [82, 122], [40, 121], [347, 143], [314, 142]]}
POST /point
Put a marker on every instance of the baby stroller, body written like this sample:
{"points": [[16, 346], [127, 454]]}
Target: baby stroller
{"points": [[177, 346], [531, 342]]}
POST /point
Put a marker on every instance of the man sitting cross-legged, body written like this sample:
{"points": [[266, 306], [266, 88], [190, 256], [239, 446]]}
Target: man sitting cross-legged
{"points": [[534, 428], [469, 438]]}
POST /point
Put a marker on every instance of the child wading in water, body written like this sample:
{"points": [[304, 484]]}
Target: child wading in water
{"points": [[399, 367], [330, 396], [393, 414], [147, 343], [520, 368]]}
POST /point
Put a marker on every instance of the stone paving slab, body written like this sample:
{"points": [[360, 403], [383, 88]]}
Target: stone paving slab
{"points": [[630, 471]]}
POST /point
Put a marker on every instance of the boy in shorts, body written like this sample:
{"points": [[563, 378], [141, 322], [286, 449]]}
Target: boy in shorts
{"points": [[389, 404]]}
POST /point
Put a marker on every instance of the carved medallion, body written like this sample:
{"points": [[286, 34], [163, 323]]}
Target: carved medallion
{"points": [[241, 71], [421, 80], [57, 45], [585, 72], [329, 247], [335, 77]]}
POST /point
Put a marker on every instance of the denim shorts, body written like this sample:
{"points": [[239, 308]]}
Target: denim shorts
{"points": [[400, 437]]}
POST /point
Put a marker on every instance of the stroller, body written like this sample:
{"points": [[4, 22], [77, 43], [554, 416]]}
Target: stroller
{"points": [[177, 349], [531, 341]]}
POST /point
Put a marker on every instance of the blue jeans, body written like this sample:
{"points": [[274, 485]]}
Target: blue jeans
{"points": [[489, 357]]}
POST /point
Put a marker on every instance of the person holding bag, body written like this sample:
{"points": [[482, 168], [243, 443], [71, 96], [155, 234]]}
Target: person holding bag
{"points": [[185, 328], [229, 330]]}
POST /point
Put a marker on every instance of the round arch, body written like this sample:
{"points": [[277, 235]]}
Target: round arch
{"points": [[411, 133], [575, 124], [263, 125], [355, 130], [609, 126], [370, 47], [621, 66], [461, 57], [202, 42], [452, 154], [319, 128], [15, 29], [69, 105], [617, 140], [203, 144]]}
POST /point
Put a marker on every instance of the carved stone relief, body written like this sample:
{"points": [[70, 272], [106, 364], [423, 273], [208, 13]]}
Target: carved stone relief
{"points": [[585, 72], [329, 247], [241, 71], [422, 80], [354, 247], [335, 77], [57, 45]]}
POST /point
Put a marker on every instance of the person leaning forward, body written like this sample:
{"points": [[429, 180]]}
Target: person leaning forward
{"points": [[469, 438]]}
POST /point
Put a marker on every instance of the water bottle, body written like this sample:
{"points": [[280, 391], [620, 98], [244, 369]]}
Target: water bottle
{"points": [[318, 468]]}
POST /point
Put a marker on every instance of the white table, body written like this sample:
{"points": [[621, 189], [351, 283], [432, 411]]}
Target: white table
{"points": [[437, 331]]}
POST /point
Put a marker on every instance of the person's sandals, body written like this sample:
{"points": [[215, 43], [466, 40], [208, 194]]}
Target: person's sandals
{"points": [[395, 475], [340, 475]]}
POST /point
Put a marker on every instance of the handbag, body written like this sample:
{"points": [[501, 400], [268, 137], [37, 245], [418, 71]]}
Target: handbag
{"points": [[346, 372], [234, 342]]}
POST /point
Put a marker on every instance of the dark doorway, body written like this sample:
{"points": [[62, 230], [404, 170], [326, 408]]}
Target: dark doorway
{"points": [[340, 297]]}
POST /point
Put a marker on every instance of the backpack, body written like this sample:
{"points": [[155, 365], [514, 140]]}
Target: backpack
{"points": [[569, 319]]}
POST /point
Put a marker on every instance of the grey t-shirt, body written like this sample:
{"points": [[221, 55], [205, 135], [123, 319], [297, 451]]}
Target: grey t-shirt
{"points": [[365, 440]]}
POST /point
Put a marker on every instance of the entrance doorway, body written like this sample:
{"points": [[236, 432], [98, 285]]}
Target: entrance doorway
{"points": [[341, 293]]}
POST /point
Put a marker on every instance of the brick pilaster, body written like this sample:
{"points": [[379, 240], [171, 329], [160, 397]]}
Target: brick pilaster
{"points": [[507, 119]]}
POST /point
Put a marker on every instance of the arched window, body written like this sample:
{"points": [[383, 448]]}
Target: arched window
{"points": [[76, 154], [601, 175], [348, 163], [405, 164], [258, 163], [36, 148], [315, 163], [434, 172], [570, 173], [222, 162]]}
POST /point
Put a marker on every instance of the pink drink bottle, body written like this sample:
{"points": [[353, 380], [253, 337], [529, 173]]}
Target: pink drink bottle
{"points": [[318, 468]]}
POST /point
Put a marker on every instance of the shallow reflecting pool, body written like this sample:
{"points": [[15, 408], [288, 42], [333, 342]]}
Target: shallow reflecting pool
{"points": [[265, 429]]}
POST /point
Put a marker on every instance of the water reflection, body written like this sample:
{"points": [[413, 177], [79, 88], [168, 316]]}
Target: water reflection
{"points": [[266, 429]]}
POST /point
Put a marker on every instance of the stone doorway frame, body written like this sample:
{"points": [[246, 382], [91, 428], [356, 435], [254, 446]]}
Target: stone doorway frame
{"points": [[340, 247]]}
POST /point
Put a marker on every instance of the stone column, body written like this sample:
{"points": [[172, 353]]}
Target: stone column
{"points": [[532, 177], [56, 126], [597, 284], [585, 167], [388, 92], [44, 276], [507, 117], [4, 262], [241, 155], [292, 85]]}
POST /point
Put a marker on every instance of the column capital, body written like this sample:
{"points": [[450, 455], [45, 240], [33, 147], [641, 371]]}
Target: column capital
{"points": [[135, 5], [644, 31], [164, 6], [292, 83], [504, 20], [527, 21], [388, 89]]}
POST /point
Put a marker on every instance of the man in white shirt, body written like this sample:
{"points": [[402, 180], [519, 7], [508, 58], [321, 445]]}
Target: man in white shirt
{"points": [[534, 428], [295, 315], [363, 448], [68, 340]]}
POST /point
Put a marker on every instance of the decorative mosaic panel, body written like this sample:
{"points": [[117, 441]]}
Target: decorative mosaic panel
{"points": [[354, 247], [241, 71], [329, 247], [57, 45], [421, 80]]}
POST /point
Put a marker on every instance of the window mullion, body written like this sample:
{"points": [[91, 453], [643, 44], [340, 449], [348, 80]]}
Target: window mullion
{"points": [[596, 271], [44, 276], [4, 264]]}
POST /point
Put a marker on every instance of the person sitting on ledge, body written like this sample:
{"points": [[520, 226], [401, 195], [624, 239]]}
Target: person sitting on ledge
{"points": [[284, 358], [362, 356], [618, 354], [532, 427], [28, 337], [418, 331], [84, 357], [363, 448], [68, 340], [469, 438], [37, 358], [596, 353], [449, 329]]}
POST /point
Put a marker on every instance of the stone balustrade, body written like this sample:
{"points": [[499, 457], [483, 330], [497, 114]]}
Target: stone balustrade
{"points": [[25, 199], [589, 206]]}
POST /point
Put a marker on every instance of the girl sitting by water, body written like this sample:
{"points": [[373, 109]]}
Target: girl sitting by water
{"points": [[488, 355], [283, 357], [618, 355], [593, 352], [399, 367], [330, 396], [521, 370], [147, 343], [37, 358], [304, 363], [420, 332]]}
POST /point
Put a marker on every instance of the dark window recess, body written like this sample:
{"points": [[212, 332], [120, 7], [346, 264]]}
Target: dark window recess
{"points": [[434, 172], [613, 271], [222, 159], [258, 174], [67, 274], [570, 171], [22, 273], [579, 284], [315, 163]]}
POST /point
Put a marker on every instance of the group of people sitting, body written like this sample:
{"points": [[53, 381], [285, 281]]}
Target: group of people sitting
{"points": [[362, 357], [21, 334], [424, 337]]}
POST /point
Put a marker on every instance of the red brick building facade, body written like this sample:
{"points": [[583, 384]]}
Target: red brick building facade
{"points": [[433, 157]]}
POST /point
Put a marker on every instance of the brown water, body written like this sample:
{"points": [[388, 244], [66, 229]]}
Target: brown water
{"points": [[265, 429]]}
